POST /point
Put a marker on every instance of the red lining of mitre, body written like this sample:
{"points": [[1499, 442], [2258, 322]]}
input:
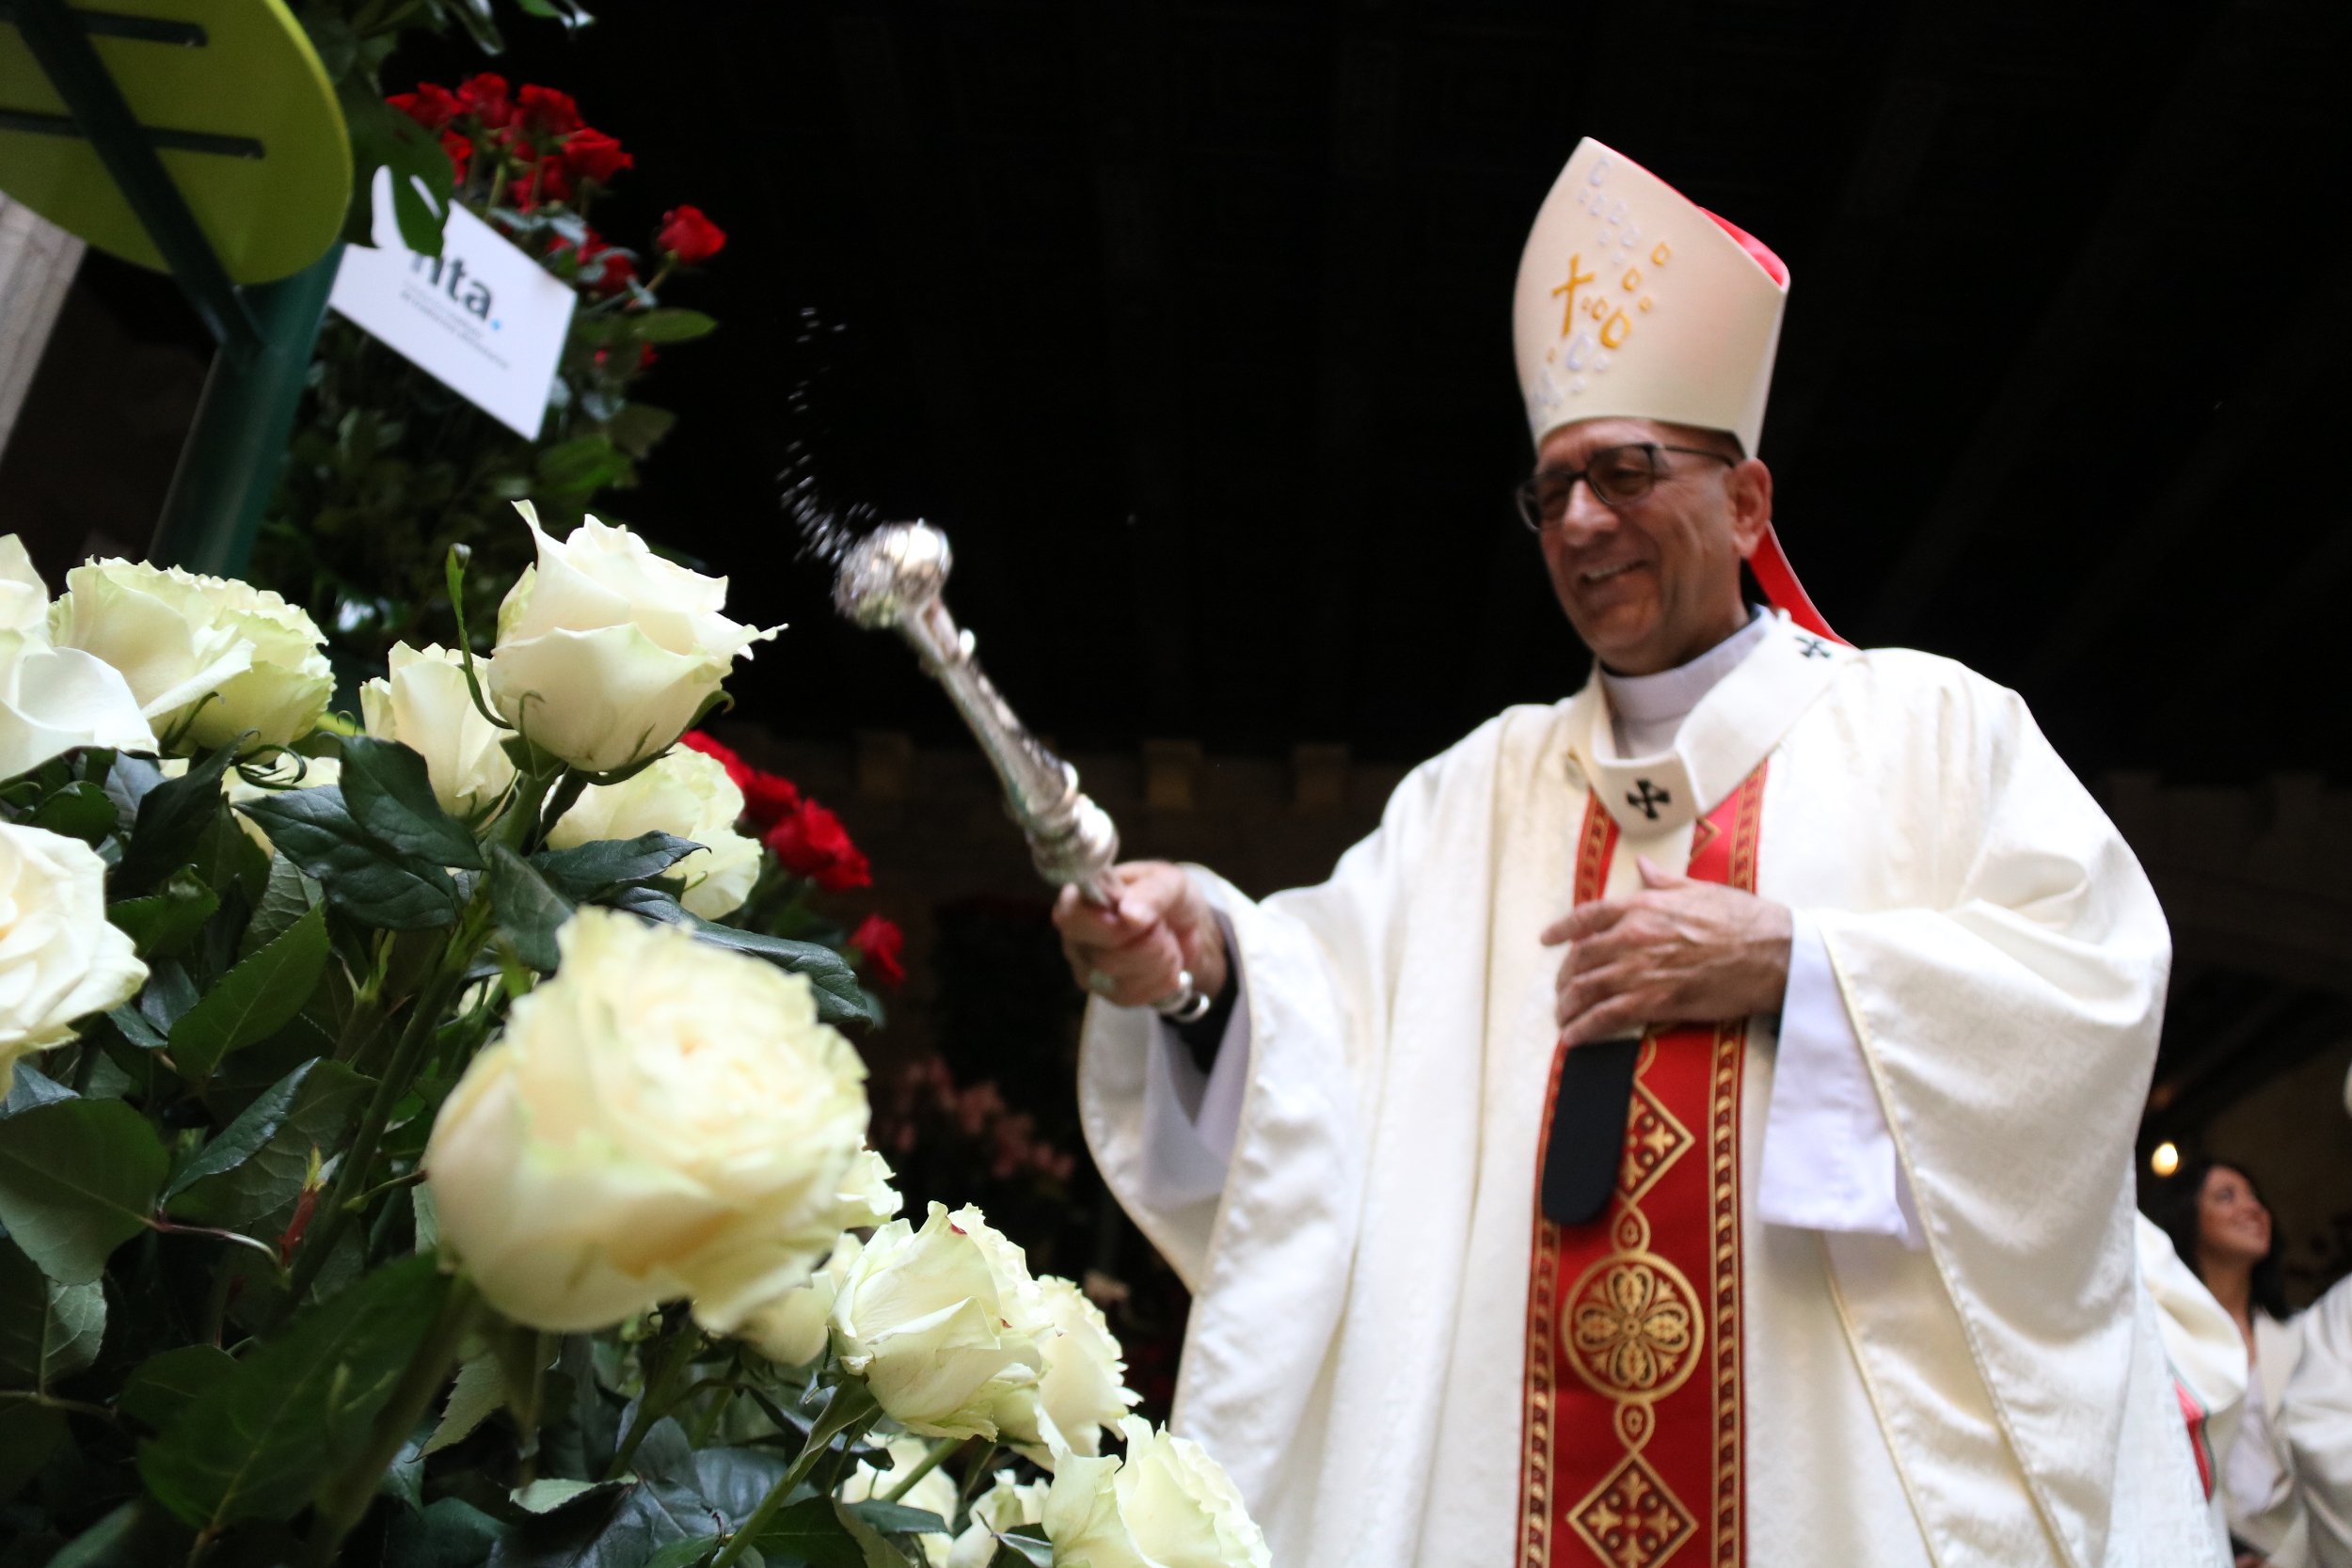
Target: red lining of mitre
{"points": [[1770, 563], [1774, 268]]}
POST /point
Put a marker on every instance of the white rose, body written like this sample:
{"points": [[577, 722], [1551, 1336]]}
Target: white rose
{"points": [[663, 1118], [1167, 1503], [424, 704], [53, 700], [791, 1330], [180, 638], [606, 652], [921, 1318], [60, 959], [687, 794], [1083, 1389], [1005, 1508], [935, 1493], [24, 596]]}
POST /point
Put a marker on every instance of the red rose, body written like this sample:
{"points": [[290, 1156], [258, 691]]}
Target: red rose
{"points": [[880, 943], [590, 154], [553, 184], [485, 97], [548, 112], [460, 151], [429, 106], [608, 270], [812, 843], [689, 236], [769, 797], [695, 740]]}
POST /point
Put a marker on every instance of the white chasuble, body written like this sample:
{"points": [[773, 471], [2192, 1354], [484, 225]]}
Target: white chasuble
{"points": [[1358, 1348]]}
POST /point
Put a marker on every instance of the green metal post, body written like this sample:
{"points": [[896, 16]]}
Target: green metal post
{"points": [[237, 445]]}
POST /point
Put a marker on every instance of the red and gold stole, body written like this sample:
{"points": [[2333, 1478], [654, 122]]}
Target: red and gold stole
{"points": [[1632, 1426]]}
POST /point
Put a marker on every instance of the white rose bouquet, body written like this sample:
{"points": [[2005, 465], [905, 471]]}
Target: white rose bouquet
{"points": [[402, 1161]]}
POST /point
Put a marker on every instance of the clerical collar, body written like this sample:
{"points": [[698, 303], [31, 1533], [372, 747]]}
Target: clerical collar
{"points": [[1639, 702]]}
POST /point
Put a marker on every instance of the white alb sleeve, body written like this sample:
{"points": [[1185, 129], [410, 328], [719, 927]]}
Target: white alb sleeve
{"points": [[1190, 1118], [1829, 1158]]}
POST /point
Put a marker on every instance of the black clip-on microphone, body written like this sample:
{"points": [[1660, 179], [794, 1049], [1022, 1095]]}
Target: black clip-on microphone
{"points": [[1585, 1147]]}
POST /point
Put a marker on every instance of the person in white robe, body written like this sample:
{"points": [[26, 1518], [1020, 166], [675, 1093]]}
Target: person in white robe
{"points": [[2287, 1473], [1852, 901]]}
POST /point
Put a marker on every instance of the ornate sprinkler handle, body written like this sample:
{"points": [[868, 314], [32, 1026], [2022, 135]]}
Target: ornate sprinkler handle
{"points": [[894, 578]]}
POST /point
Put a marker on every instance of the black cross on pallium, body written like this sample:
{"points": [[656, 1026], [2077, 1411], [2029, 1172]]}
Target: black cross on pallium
{"points": [[1649, 799], [1814, 647]]}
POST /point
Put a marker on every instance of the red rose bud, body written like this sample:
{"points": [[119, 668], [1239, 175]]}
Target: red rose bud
{"points": [[460, 151], [767, 798], [548, 112], [880, 942], [812, 843], [485, 98], [690, 236], [738, 769], [430, 107], [590, 154]]}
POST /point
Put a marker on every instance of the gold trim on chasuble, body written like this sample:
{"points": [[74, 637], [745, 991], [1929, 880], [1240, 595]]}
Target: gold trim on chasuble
{"points": [[1632, 1425]]}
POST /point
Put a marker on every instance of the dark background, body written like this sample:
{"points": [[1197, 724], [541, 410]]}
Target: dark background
{"points": [[1191, 324]]}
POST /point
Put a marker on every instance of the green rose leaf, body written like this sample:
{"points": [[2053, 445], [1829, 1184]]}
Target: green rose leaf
{"points": [[897, 1518], [528, 911], [637, 428], [816, 1532], [254, 1169], [480, 1390], [254, 1000], [78, 1178], [579, 466], [47, 1330], [1019, 1549], [286, 898], [589, 872], [390, 794], [362, 876], [256, 1443], [169, 918], [672, 325], [167, 1384], [81, 810], [839, 997], [31, 1088], [448, 1533], [681, 1554], [170, 828]]}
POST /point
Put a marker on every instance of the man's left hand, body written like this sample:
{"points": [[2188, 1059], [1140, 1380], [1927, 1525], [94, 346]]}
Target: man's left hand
{"points": [[1677, 951]]}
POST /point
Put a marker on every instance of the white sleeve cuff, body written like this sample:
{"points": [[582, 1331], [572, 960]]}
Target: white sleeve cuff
{"points": [[1829, 1158], [1191, 1118]]}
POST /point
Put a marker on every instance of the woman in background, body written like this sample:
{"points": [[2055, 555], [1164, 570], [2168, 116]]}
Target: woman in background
{"points": [[2285, 1478]]}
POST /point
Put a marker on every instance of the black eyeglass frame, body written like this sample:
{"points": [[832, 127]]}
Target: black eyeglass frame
{"points": [[1531, 511]]}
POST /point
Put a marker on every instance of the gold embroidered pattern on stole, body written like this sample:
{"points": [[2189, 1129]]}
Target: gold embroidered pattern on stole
{"points": [[1632, 1323]]}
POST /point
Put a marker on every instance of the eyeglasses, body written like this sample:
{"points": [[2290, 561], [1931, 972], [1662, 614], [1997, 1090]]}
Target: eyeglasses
{"points": [[1618, 477]]}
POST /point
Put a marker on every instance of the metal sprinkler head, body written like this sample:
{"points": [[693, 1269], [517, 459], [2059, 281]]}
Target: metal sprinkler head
{"points": [[890, 575]]}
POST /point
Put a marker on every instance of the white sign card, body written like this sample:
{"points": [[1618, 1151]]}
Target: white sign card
{"points": [[481, 318]]}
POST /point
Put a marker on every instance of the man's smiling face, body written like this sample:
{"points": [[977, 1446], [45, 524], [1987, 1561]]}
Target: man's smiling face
{"points": [[1654, 583]]}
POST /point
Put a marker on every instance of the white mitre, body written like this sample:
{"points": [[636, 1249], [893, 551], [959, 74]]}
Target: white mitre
{"points": [[1635, 302]]}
